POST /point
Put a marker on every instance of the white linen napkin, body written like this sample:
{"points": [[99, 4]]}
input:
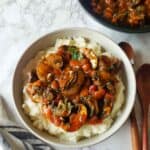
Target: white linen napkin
{"points": [[14, 137]]}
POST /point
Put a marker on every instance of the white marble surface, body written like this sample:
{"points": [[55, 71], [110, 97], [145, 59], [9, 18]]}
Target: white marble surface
{"points": [[24, 21]]}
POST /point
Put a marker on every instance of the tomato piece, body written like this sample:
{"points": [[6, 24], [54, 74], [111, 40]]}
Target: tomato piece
{"points": [[92, 73], [74, 63], [86, 67], [84, 61], [56, 120], [104, 75], [84, 92], [47, 112], [92, 88], [109, 96], [37, 83], [95, 120], [57, 72], [55, 84], [99, 94], [108, 13]]}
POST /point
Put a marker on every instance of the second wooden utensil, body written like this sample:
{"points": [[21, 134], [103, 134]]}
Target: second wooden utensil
{"points": [[126, 47], [143, 86]]}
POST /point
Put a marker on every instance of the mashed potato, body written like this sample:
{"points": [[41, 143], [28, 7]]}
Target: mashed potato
{"points": [[33, 110]]}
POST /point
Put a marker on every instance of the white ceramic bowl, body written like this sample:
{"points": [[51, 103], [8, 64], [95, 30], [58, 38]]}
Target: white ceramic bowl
{"points": [[49, 40]]}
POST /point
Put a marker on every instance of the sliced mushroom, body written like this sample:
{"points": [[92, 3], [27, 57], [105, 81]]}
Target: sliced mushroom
{"points": [[48, 94], [63, 109], [115, 65], [71, 81], [91, 107], [107, 63], [32, 76]]}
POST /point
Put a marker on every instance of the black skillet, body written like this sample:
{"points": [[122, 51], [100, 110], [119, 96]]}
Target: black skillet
{"points": [[86, 5]]}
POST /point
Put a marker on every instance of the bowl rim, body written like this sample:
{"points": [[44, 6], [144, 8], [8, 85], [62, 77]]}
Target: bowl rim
{"points": [[73, 145], [109, 25]]}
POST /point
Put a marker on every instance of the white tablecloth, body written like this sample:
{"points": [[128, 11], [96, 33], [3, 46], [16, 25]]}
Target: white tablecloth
{"points": [[24, 21]]}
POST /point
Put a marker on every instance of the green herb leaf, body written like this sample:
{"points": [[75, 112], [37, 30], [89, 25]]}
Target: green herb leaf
{"points": [[75, 55], [74, 52], [72, 49]]}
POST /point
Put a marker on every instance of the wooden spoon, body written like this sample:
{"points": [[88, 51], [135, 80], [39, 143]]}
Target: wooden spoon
{"points": [[143, 86], [126, 47]]}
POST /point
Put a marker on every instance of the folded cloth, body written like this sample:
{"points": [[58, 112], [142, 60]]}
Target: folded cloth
{"points": [[14, 137]]}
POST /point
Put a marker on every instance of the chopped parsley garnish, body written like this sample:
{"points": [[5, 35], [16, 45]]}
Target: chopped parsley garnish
{"points": [[75, 53]]}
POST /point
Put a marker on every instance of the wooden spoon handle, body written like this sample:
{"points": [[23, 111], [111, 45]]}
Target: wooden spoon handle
{"points": [[127, 48], [134, 132], [145, 132]]}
